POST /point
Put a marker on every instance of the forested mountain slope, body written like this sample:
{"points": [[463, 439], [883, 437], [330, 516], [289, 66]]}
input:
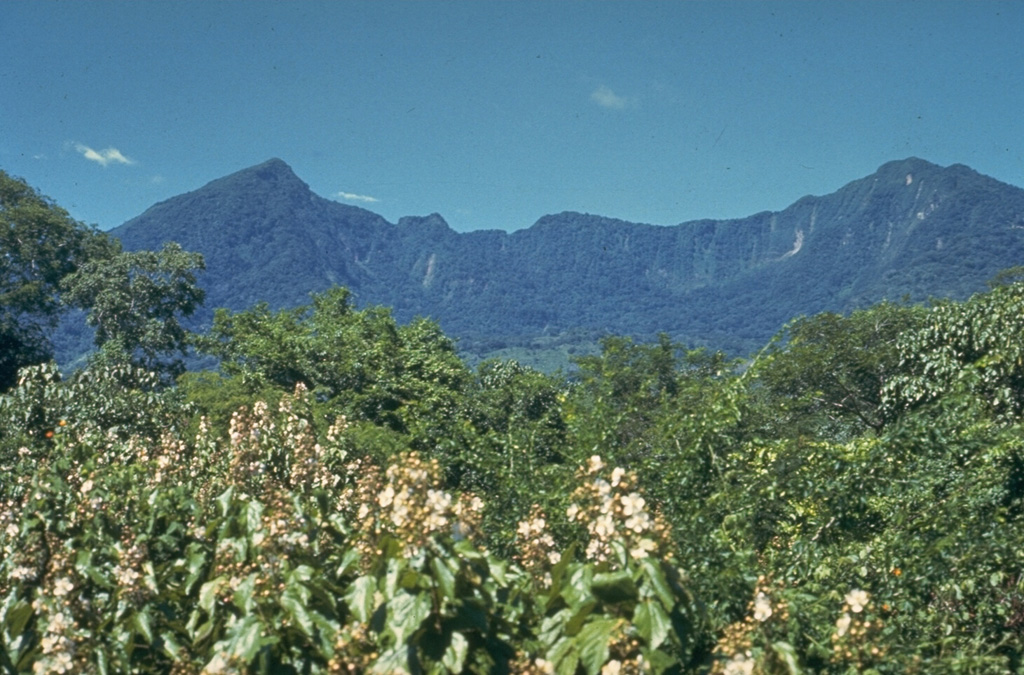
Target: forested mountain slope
{"points": [[912, 228]]}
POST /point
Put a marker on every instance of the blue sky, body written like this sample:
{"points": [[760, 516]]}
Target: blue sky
{"points": [[494, 114]]}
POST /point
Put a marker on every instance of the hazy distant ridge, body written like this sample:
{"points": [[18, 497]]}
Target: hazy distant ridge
{"points": [[911, 228]]}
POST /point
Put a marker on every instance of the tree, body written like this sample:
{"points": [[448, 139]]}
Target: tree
{"points": [[135, 301], [362, 361], [40, 245], [969, 348], [824, 374]]}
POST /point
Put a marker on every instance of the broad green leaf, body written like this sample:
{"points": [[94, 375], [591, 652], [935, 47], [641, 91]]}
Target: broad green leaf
{"points": [[208, 594], [652, 622], [247, 637], [141, 622], [455, 656], [394, 660], [243, 595], [614, 587], [17, 617], [359, 597], [443, 577], [564, 655], [196, 565], [579, 616], [654, 575], [171, 645], [406, 612], [294, 603], [593, 642], [224, 500], [253, 517], [788, 655]]}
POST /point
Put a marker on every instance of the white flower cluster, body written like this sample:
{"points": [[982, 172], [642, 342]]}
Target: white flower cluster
{"points": [[58, 650], [536, 545], [611, 510], [410, 504], [762, 607], [741, 663], [857, 600]]}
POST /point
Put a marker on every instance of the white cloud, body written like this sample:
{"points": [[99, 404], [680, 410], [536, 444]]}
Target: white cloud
{"points": [[103, 157], [348, 196], [606, 98]]}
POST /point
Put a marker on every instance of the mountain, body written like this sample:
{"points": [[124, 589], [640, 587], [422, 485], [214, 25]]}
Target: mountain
{"points": [[910, 229]]}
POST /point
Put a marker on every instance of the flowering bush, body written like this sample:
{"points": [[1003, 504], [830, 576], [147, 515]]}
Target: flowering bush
{"points": [[139, 535]]}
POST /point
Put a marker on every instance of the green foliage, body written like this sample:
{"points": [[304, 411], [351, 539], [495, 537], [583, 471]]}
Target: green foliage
{"points": [[40, 245], [134, 300], [368, 366], [824, 375], [965, 349]]}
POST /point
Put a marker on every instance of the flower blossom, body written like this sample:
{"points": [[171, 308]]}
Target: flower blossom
{"points": [[613, 667], [632, 503], [762, 607], [642, 548], [857, 600], [62, 587], [739, 664], [843, 624]]}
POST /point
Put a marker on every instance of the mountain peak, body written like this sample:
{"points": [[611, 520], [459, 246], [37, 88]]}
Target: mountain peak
{"points": [[434, 220], [273, 170], [273, 175]]}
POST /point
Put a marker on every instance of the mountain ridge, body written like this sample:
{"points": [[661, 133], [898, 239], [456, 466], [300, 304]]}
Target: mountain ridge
{"points": [[911, 228]]}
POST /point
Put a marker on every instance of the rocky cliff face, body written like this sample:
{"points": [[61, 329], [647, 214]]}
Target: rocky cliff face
{"points": [[912, 228]]}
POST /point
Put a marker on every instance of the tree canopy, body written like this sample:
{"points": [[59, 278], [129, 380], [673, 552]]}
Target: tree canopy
{"points": [[40, 245]]}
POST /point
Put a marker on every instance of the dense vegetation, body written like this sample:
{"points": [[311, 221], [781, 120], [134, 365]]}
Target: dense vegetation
{"points": [[344, 494]]}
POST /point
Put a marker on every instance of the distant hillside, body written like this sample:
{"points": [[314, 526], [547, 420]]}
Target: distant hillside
{"points": [[910, 229]]}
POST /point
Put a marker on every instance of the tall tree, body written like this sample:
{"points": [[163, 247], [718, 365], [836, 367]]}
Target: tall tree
{"points": [[40, 245], [135, 300], [360, 360], [825, 374]]}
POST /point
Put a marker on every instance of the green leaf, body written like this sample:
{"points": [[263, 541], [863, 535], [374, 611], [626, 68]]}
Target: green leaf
{"points": [[614, 587], [17, 617], [350, 562], [580, 614], [443, 577], [564, 655], [196, 565], [171, 645], [788, 656], [394, 660], [593, 643], [248, 637], [208, 594], [455, 656], [406, 612], [654, 575], [359, 597], [652, 622], [294, 602], [253, 517], [224, 501], [243, 595], [141, 623]]}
